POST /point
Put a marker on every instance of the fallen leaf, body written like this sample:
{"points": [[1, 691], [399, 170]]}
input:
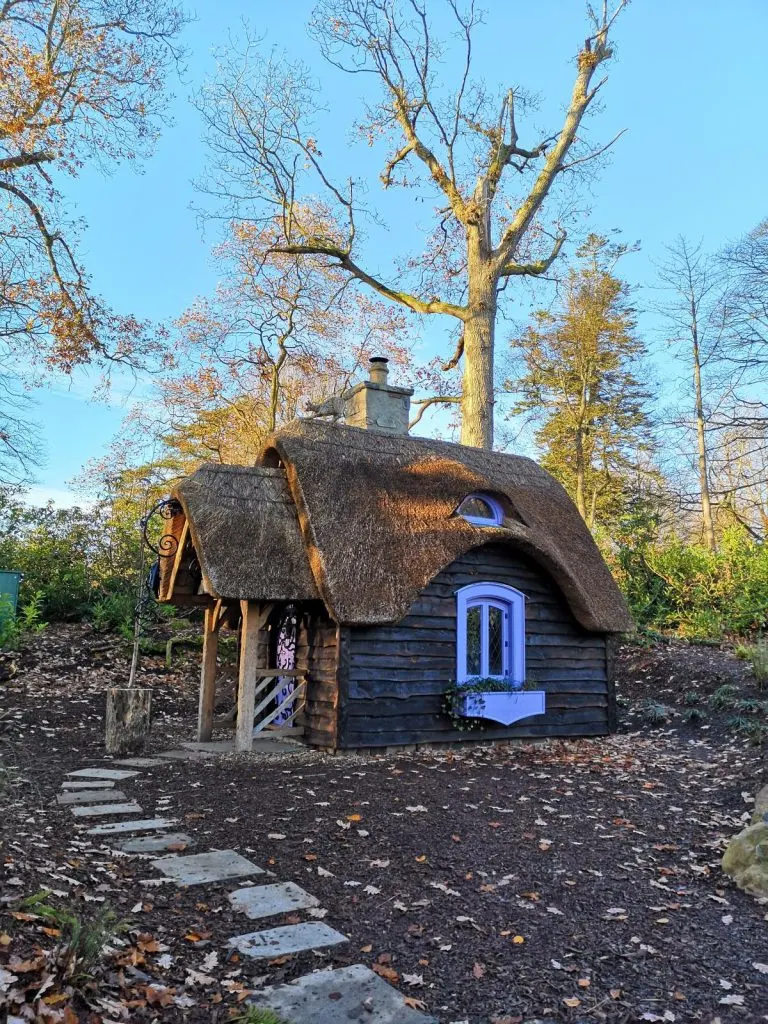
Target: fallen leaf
{"points": [[388, 973], [478, 970], [413, 979], [572, 1001], [415, 1004]]}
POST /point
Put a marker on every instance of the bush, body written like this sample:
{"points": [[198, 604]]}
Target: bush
{"points": [[16, 629], [701, 594], [114, 612], [74, 563]]}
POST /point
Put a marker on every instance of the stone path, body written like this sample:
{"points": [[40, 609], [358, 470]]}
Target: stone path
{"points": [[116, 774], [287, 939], [337, 997], [270, 900], [340, 996], [89, 796]]}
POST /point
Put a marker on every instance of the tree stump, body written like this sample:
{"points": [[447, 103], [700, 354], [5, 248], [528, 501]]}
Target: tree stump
{"points": [[128, 719]]}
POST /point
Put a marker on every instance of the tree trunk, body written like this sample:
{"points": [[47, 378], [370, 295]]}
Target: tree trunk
{"points": [[128, 719], [581, 503], [701, 439], [477, 397]]}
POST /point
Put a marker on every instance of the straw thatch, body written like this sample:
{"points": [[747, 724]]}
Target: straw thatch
{"points": [[244, 528], [378, 523]]}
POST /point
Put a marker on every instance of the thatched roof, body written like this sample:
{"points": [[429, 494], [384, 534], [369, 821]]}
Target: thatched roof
{"points": [[246, 534], [376, 515]]}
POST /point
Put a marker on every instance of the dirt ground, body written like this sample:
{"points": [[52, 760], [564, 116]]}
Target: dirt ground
{"points": [[495, 885]]}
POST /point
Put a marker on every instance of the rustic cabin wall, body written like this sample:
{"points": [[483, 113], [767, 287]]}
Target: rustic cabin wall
{"points": [[316, 655], [397, 674]]}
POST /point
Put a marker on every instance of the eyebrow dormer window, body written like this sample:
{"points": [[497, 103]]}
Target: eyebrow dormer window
{"points": [[481, 510]]}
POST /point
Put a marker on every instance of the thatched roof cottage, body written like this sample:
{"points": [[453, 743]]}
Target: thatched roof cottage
{"points": [[369, 572]]}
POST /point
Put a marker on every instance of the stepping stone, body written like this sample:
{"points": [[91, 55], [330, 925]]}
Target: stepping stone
{"points": [[210, 746], [92, 784], [268, 900], [137, 825], [184, 755], [116, 774], [101, 810], [90, 796], [290, 938], [141, 762], [337, 997], [214, 866], [154, 844]]}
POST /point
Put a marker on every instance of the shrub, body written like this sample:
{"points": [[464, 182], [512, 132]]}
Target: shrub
{"points": [[114, 611], [757, 656], [701, 594], [654, 713], [16, 629], [693, 716], [723, 697], [81, 941]]}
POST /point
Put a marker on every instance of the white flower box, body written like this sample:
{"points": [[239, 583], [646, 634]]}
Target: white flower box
{"points": [[506, 707]]}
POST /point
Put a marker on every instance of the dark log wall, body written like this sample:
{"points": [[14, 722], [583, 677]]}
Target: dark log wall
{"points": [[391, 689], [316, 654]]}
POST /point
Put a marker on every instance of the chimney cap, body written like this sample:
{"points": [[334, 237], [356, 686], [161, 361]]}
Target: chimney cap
{"points": [[378, 359]]}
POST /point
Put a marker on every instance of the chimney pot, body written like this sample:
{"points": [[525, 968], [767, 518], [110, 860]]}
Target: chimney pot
{"points": [[378, 369]]}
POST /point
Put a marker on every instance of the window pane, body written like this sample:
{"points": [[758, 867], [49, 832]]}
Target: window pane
{"points": [[473, 640], [495, 641], [475, 506]]}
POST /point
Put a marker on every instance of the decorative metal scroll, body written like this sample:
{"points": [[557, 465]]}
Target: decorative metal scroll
{"points": [[165, 509]]}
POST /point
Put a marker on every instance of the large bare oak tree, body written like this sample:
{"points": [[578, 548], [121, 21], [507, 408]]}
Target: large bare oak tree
{"points": [[459, 144]]}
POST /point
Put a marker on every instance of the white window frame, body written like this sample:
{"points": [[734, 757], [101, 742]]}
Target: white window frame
{"points": [[485, 596], [497, 517]]}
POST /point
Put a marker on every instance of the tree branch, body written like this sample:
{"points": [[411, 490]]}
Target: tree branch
{"points": [[453, 362], [435, 400], [594, 53], [11, 163], [538, 266], [386, 174], [346, 262]]}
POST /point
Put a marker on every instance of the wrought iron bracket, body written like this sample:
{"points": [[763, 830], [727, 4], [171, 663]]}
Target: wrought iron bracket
{"points": [[166, 509]]}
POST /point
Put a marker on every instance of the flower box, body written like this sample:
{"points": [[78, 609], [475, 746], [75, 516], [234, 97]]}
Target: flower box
{"points": [[505, 707]]}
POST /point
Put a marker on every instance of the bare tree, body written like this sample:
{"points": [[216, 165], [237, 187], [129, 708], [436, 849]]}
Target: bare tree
{"points": [[696, 322], [19, 442], [459, 144]]}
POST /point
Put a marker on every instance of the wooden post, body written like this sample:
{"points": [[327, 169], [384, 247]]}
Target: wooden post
{"points": [[128, 719], [208, 673], [254, 618]]}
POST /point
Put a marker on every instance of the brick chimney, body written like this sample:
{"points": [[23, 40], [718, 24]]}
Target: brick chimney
{"points": [[375, 404]]}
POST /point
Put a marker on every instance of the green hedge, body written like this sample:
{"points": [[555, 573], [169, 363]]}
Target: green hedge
{"points": [[698, 593]]}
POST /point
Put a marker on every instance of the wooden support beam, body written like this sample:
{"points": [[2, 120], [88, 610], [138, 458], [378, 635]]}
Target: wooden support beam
{"points": [[254, 619], [208, 675]]}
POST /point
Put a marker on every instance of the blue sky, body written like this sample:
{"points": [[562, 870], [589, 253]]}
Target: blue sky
{"points": [[689, 86]]}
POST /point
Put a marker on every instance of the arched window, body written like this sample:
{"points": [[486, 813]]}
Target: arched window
{"points": [[481, 510], [490, 633]]}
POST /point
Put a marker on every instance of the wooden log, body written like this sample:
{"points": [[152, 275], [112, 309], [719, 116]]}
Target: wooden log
{"points": [[128, 719], [208, 674], [254, 619]]}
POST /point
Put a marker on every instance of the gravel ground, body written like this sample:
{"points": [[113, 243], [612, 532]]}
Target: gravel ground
{"points": [[574, 881]]}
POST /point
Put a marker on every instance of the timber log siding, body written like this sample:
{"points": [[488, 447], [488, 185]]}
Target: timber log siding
{"points": [[391, 679]]}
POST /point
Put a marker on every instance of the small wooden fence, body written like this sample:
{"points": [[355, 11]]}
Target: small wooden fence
{"points": [[271, 682]]}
